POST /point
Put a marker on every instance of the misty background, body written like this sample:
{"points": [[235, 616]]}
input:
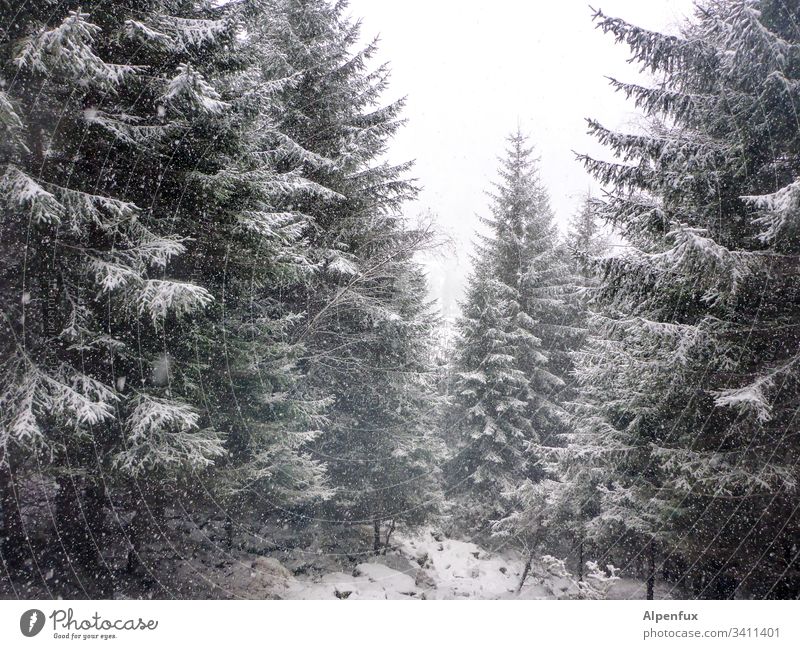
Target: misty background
{"points": [[471, 72]]}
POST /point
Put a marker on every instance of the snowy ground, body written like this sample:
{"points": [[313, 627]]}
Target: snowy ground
{"points": [[422, 567], [418, 567], [425, 565]]}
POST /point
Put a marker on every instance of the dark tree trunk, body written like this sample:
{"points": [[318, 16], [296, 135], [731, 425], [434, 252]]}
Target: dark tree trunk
{"points": [[69, 524], [376, 542], [525, 572], [148, 515], [580, 560], [135, 534], [651, 569], [389, 535], [80, 526], [12, 535], [234, 506], [228, 530], [95, 499]]}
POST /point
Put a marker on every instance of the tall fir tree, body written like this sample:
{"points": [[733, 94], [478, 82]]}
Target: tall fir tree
{"points": [[512, 357], [145, 255], [367, 329], [690, 379], [574, 500], [85, 266]]}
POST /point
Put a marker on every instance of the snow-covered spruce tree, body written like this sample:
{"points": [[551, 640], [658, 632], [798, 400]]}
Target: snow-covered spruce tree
{"points": [[586, 241], [381, 450], [229, 189], [691, 380], [511, 359], [574, 499], [367, 327], [162, 327], [85, 262]]}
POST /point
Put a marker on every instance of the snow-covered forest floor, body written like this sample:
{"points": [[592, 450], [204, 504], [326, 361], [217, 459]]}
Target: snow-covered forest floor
{"points": [[196, 563], [417, 566], [422, 567]]}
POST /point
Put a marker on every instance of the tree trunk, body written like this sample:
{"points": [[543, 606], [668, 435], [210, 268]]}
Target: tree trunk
{"points": [[228, 530], [12, 534], [580, 560], [80, 529], [376, 543], [525, 572], [233, 509], [148, 514], [134, 542], [95, 502], [70, 530], [388, 535], [651, 569]]}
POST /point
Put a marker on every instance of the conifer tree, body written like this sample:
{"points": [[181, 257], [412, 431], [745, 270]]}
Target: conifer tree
{"points": [[84, 261], [574, 500], [226, 188], [366, 327], [512, 357], [241, 360], [145, 251], [585, 239], [690, 379]]}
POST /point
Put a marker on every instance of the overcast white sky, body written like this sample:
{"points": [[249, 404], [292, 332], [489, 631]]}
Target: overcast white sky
{"points": [[472, 70]]}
